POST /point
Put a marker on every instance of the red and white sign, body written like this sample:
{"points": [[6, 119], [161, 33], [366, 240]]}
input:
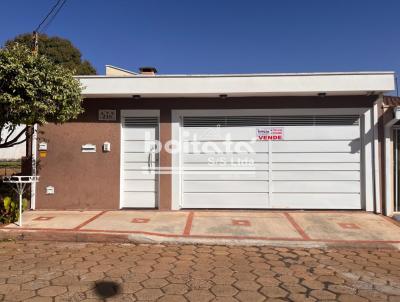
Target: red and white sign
{"points": [[269, 134]]}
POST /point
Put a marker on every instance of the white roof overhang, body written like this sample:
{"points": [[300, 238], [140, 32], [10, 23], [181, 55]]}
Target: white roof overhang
{"points": [[242, 85]]}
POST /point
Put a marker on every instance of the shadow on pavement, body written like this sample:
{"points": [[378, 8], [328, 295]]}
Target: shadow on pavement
{"points": [[107, 289]]}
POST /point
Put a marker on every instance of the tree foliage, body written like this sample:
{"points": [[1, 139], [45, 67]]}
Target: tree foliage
{"points": [[60, 51], [33, 90]]}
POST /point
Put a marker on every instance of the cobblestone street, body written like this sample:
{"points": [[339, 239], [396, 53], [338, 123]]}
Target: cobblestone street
{"points": [[50, 271]]}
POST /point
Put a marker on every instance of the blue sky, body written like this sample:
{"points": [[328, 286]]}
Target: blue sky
{"points": [[222, 36]]}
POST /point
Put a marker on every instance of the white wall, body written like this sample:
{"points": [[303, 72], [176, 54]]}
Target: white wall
{"points": [[237, 85]]}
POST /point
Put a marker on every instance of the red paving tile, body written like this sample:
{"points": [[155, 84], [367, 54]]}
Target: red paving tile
{"points": [[89, 220], [347, 225], [189, 223], [140, 220], [297, 226], [241, 222]]}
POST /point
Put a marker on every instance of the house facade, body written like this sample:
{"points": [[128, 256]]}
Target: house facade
{"points": [[323, 141]]}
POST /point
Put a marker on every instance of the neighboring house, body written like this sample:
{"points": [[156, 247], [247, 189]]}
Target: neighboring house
{"points": [[16, 152], [241, 141]]}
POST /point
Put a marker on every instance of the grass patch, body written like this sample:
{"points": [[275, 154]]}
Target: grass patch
{"points": [[16, 163]]}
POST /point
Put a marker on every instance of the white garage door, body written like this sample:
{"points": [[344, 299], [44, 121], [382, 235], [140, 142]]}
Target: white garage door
{"points": [[316, 165], [139, 162]]}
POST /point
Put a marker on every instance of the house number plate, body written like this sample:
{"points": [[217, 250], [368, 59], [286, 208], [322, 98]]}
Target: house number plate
{"points": [[107, 115]]}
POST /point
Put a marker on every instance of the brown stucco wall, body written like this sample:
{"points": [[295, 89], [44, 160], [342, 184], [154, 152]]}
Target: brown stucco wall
{"points": [[165, 180], [91, 180], [81, 180]]}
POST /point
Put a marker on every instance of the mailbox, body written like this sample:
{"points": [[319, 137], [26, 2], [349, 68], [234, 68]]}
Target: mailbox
{"points": [[106, 147], [43, 149], [43, 146], [49, 190], [87, 148]]}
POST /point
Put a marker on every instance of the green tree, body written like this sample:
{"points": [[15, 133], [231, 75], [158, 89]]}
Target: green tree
{"points": [[60, 51], [33, 90]]}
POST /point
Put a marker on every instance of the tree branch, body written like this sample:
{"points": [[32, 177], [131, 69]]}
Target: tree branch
{"points": [[1, 131], [11, 143], [8, 145], [11, 130]]}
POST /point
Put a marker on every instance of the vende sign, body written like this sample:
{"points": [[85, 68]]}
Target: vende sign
{"points": [[269, 134]]}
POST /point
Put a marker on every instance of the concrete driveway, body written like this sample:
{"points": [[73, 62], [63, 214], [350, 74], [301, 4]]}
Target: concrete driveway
{"points": [[227, 227]]}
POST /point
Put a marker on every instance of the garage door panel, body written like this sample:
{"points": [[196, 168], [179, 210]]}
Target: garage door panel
{"points": [[225, 200], [316, 175], [145, 175], [305, 133], [227, 175], [316, 186], [316, 146], [139, 166], [219, 133], [234, 158], [315, 166], [138, 146], [139, 133], [316, 157], [221, 147], [140, 185], [134, 157], [138, 180], [316, 201], [140, 199], [225, 186], [290, 133], [224, 167]]}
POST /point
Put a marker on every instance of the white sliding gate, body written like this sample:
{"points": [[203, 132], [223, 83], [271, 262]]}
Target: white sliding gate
{"points": [[316, 164]]}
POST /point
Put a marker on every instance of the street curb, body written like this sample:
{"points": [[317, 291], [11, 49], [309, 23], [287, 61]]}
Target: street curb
{"points": [[104, 237]]}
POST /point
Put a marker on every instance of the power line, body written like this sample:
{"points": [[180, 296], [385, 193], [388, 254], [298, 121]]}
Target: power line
{"points": [[44, 28], [50, 16]]}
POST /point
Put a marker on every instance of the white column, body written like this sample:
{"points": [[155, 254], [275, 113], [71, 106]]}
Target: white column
{"points": [[377, 161], [34, 159], [369, 160], [389, 196]]}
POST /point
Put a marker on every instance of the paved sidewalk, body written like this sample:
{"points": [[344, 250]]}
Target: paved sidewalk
{"points": [[54, 271], [240, 227]]}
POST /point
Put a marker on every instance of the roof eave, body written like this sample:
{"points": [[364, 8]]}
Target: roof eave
{"points": [[240, 85]]}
